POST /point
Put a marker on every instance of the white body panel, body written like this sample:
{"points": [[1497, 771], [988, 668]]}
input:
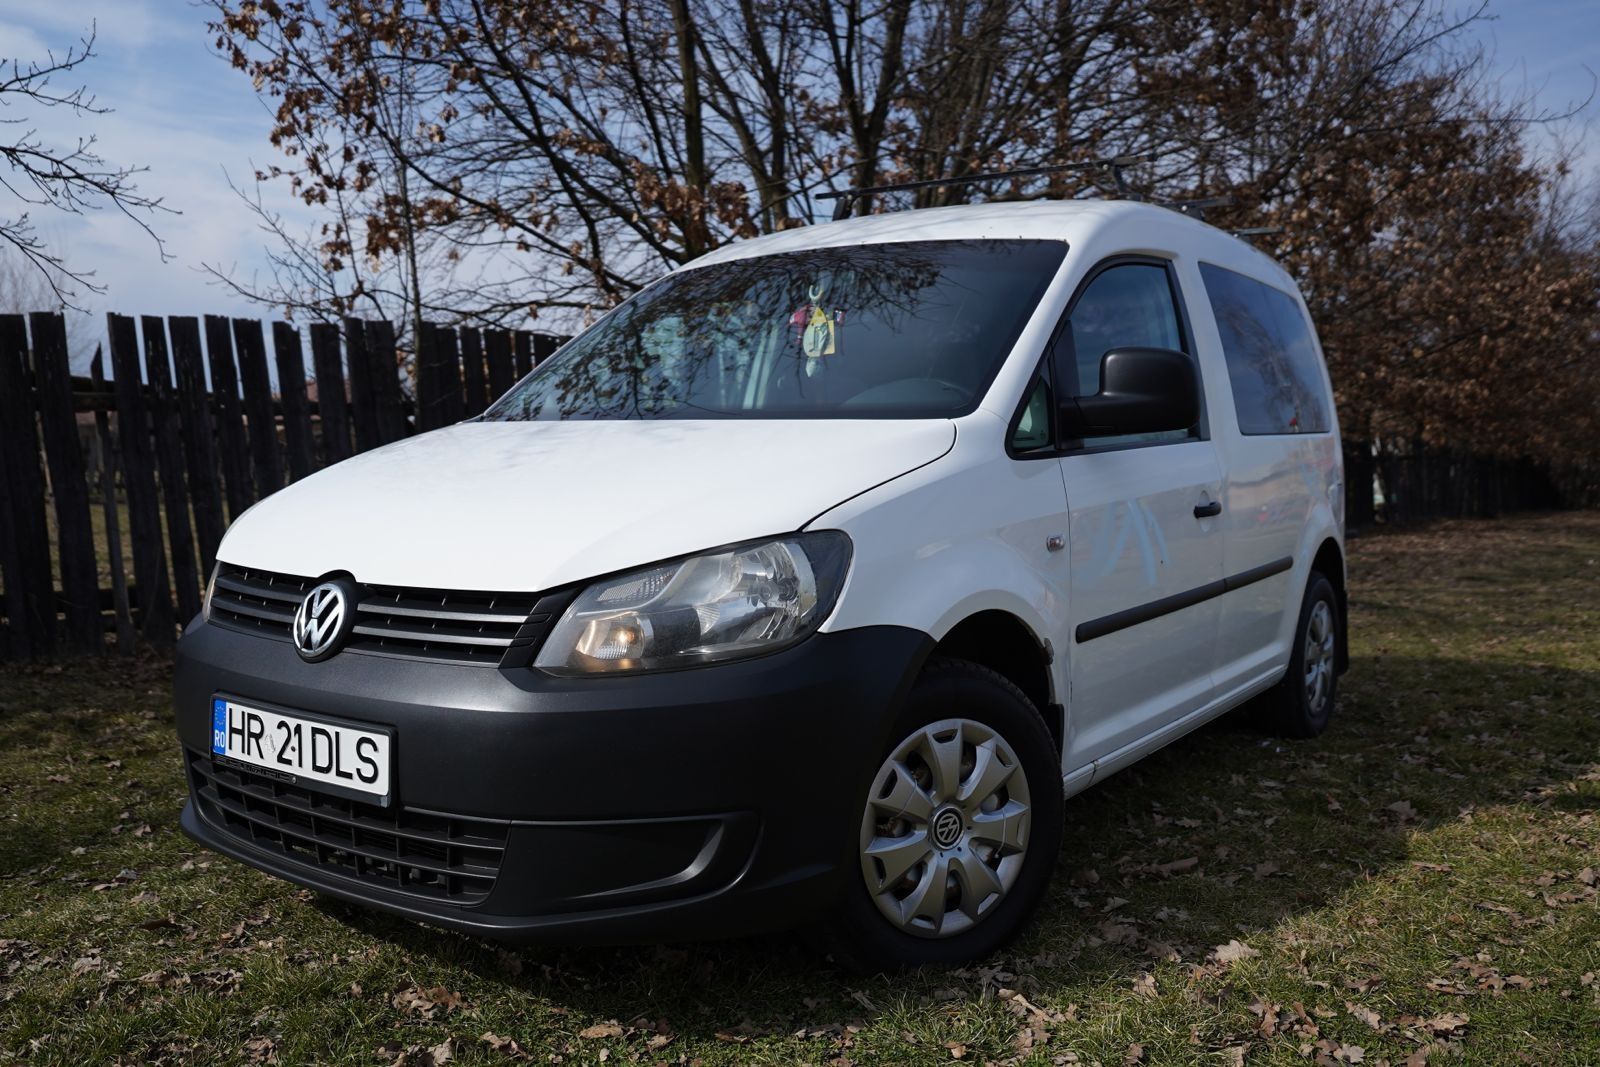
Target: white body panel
{"points": [[528, 506], [944, 523], [1135, 540]]}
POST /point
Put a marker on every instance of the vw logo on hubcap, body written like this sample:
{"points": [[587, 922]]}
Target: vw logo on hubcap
{"points": [[946, 828], [323, 620]]}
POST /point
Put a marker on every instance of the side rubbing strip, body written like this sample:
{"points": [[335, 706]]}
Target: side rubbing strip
{"points": [[1121, 620], [1256, 574]]}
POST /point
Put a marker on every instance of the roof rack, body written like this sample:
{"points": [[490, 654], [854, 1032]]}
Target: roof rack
{"points": [[1257, 231], [847, 197], [1196, 209]]}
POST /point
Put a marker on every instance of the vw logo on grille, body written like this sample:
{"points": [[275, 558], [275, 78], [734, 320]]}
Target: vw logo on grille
{"points": [[946, 827], [323, 620]]}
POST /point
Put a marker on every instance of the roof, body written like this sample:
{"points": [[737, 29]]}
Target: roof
{"points": [[1081, 223]]}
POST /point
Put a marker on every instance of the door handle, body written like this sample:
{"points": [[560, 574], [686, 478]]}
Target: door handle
{"points": [[1209, 510]]}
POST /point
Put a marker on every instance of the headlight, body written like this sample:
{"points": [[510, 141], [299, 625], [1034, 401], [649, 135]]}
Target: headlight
{"points": [[743, 601]]}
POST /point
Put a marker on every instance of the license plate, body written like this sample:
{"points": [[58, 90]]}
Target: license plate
{"points": [[313, 751]]}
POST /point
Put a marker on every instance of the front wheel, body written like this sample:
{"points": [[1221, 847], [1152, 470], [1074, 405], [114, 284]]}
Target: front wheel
{"points": [[959, 827]]}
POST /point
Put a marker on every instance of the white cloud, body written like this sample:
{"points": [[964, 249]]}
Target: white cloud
{"points": [[182, 113]]}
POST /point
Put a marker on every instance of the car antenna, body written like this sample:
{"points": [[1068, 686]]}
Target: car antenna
{"points": [[1115, 164]]}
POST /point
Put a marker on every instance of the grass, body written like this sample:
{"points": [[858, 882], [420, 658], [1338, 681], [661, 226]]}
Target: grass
{"points": [[1416, 886]]}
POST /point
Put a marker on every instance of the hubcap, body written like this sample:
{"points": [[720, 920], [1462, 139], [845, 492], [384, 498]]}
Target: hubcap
{"points": [[1318, 658], [946, 828]]}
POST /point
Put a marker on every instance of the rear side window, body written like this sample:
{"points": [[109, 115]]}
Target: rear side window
{"points": [[1271, 355]]}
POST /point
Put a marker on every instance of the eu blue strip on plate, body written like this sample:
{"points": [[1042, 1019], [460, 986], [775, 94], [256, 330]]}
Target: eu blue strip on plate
{"points": [[219, 725]]}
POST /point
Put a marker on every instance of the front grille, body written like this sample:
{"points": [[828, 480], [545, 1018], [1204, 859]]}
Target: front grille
{"points": [[437, 624], [259, 601], [442, 857]]}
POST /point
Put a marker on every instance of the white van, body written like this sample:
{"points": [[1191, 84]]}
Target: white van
{"points": [[806, 585]]}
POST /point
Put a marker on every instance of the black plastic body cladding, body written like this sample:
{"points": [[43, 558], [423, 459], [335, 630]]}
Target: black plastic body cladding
{"points": [[686, 804]]}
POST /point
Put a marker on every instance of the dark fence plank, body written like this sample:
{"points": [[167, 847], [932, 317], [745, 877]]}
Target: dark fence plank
{"points": [[386, 380], [80, 584], [430, 385], [199, 437], [292, 391], [451, 405], [497, 351], [522, 341], [139, 477], [544, 346], [472, 371], [332, 405], [169, 462], [230, 416], [363, 401], [122, 610], [30, 590], [257, 383]]}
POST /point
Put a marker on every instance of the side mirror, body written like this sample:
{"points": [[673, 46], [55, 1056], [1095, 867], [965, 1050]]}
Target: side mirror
{"points": [[1142, 390]]}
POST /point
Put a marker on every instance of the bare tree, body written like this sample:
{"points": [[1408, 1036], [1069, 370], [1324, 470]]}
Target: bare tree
{"points": [[504, 160], [72, 178]]}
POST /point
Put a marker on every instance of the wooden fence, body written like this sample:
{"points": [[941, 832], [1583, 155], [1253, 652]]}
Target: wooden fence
{"points": [[184, 434]]}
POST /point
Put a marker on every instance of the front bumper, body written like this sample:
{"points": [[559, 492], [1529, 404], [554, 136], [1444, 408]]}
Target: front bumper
{"points": [[683, 805]]}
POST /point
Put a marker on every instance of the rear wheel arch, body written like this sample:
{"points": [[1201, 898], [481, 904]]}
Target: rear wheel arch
{"points": [[1330, 563]]}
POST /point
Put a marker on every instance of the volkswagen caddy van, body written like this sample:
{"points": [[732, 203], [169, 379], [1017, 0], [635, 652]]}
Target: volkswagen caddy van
{"points": [[804, 587]]}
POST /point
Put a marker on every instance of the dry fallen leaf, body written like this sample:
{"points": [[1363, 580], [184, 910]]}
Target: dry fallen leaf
{"points": [[1234, 951], [427, 1002], [1444, 985], [1167, 870], [609, 1028], [505, 1046], [261, 1050], [1366, 1015], [1447, 1023]]}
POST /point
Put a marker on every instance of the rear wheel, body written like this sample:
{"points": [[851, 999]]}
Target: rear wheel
{"points": [[958, 829], [1302, 704]]}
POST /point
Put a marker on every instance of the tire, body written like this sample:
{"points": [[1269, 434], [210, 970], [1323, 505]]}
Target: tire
{"points": [[1005, 818], [1300, 706]]}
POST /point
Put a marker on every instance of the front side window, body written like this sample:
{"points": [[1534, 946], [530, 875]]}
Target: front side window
{"points": [[1271, 354], [904, 330], [1129, 305]]}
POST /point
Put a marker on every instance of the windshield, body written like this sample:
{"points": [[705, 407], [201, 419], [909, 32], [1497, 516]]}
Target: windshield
{"points": [[906, 330]]}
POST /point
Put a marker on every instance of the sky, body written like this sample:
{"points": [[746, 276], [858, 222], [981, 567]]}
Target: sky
{"points": [[195, 122]]}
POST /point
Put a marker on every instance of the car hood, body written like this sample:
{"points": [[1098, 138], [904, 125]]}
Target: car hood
{"points": [[527, 506]]}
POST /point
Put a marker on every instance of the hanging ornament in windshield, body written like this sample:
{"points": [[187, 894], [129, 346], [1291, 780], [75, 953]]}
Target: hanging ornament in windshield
{"points": [[815, 326]]}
